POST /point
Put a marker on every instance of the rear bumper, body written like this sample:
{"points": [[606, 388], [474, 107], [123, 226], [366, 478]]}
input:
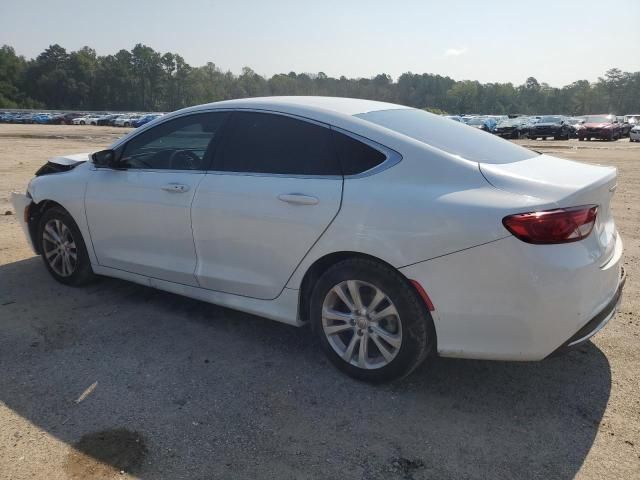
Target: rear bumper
{"points": [[597, 323], [21, 203], [508, 300]]}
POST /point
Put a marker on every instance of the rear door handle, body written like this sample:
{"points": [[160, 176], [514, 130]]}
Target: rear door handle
{"points": [[298, 199], [176, 188]]}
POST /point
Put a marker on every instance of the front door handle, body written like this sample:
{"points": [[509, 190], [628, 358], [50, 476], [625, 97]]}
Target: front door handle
{"points": [[176, 188], [298, 199]]}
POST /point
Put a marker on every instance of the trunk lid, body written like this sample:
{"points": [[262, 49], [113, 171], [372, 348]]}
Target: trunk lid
{"points": [[562, 183]]}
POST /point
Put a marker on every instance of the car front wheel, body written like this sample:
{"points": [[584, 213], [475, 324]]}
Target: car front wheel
{"points": [[370, 321], [63, 249]]}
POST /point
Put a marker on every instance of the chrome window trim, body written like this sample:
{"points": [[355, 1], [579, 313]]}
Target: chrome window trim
{"points": [[392, 157], [147, 170]]}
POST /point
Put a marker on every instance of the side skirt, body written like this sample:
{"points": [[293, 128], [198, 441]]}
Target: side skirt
{"points": [[282, 309]]}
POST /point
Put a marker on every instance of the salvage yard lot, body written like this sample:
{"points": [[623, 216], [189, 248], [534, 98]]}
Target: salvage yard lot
{"points": [[191, 390]]}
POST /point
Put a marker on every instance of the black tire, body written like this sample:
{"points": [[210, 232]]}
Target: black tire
{"points": [[418, 332], [82, 272]]}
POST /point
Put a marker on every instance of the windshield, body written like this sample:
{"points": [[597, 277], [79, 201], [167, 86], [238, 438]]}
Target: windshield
{"points": [[597, 119], [551, 119], [476, 121], [510, 122], [452, 137]]}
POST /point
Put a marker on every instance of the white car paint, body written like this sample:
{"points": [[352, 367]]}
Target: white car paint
{"points": [[434, 215], [125, 120], [249, 241], [157, 240], [86, 120]]}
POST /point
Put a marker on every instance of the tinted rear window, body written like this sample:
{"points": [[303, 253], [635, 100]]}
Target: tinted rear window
{"points": [[452, 137]]}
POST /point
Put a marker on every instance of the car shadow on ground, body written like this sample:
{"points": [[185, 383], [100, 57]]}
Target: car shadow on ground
{"points": [[191, 390]]}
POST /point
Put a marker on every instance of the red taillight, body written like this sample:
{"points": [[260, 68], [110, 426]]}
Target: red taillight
{"points": [[553, 226]]}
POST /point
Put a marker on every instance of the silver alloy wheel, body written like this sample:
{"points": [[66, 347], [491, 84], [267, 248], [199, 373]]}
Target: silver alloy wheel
{"points": [[59, 248], [361, 324]]}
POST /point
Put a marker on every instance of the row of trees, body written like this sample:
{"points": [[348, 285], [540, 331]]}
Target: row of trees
{"points": [[145, 80]]}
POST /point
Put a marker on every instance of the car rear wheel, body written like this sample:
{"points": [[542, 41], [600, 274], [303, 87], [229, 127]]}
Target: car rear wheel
{"points": [[370, 321], [63, 249]]}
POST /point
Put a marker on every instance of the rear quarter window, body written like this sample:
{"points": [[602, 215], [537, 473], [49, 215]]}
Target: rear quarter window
{"points": [[355, 156]]}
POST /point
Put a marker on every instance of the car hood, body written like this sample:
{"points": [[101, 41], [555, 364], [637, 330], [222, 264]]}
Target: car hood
{"points": [[596, 125], [70, 160]]}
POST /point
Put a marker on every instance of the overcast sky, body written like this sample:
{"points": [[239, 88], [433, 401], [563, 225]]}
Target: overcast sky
{"points": [[491, 41]]}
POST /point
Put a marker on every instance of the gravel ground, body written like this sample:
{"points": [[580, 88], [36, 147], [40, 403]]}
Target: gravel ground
{"points": [[118, 380]]}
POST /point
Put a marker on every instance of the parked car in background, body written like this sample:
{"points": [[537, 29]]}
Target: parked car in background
{"points": [[512, 127], [482, 123], [107, 119], [125, 120], [42, 118], [577, 123], [526, 260], [23, 118], [632, 119], [602, 127], [625, 126], [634, 134], [86, 120], [65, 118], [555, 126], [6, 117], [455, 118], [145, 119]]}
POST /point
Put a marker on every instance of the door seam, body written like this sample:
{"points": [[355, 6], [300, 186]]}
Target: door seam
{"points": [[193, 235]]}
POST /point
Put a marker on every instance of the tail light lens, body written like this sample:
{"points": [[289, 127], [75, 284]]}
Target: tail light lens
{"points": [[563, 225]]}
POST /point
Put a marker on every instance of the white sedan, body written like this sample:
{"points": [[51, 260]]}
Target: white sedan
{"points": [[125, 120], [86, 120], [396, 234]]}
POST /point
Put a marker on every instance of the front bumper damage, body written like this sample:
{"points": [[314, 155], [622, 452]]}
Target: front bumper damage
{"points": [[21, 204]]}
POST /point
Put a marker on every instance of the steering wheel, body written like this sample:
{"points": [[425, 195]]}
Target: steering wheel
{"points": [[186, 159]]}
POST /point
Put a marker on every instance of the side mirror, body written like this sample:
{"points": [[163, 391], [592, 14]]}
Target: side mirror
{"points": [[105, 159]]}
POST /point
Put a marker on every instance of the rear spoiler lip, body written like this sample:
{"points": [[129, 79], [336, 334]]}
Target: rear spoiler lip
{"points": [[546, 183]]}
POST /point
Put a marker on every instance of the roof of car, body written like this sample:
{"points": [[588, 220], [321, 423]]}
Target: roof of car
{"points": [[340, 105]]}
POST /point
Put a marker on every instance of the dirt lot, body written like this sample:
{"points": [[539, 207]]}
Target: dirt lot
{"points": [[190, 390]]}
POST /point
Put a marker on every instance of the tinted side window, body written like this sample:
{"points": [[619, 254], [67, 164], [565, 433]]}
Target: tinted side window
{"points": [[356, 157], [277, 144], [180, 144]]}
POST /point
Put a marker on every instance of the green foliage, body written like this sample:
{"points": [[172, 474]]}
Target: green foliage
{"points": [[145, 80]]}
